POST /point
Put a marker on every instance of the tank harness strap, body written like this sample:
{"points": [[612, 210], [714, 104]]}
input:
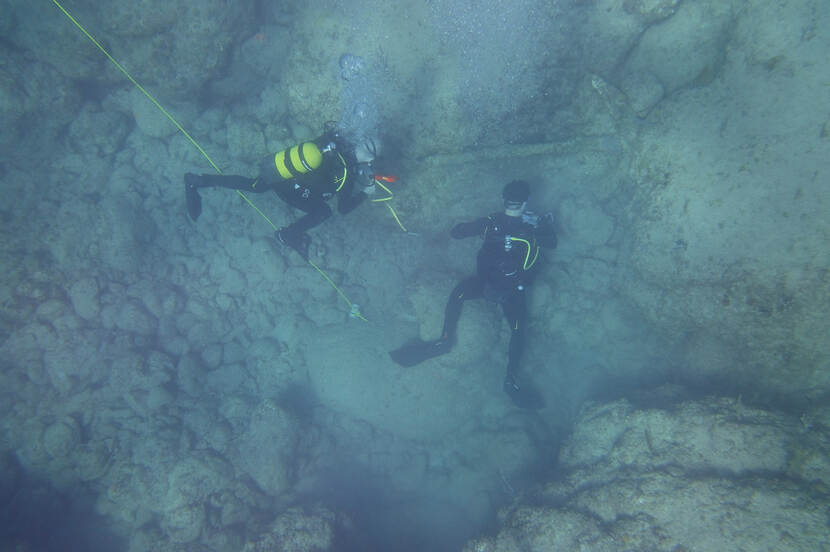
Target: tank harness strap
{"points": [[528, 264], [341, 180]]}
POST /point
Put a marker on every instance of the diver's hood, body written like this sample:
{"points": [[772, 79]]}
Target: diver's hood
{"points": [[367, 150]]}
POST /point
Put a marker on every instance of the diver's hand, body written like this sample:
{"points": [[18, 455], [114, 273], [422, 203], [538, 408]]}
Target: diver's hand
{"points": [[370, 189]]}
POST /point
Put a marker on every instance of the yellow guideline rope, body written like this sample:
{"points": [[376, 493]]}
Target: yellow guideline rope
{"points": [[386, 199], [354, 310], [132, 80]]}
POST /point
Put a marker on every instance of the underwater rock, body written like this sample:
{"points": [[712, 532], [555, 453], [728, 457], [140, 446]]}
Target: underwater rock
{"points": [[585, 221], [351, 66], [23, 350], [190, 484], [115, 232], [715, 434], [704, 475], [190, 375], [643, 90], [267, 447], [246, 143], [651, 10], [73, 360], [297, 531], [133, 317], [226, 379], [158, 397], [160, 367], [84, 297], [258, 58], [99, 132], [36, 102], [685, 49], [61, 437], [610, 29], [711, 242], [150, 119], [185, 523], [212, 355], [542, 528], [91, 460], [270, 110]]}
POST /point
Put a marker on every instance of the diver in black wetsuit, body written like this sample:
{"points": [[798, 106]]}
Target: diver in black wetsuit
{"points": [[506, 266], [305, 176]]}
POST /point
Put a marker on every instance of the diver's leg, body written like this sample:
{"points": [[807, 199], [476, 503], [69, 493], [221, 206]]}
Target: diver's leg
{"points": [[515, 309], [417, 351], [524, 395], [316, 213], [232, 181], [294, 235], [192, 183], [469, 288]]}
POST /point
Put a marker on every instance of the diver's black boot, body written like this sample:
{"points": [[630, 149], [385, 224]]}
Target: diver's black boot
{"points": [[511, 386], [192, 197], [523, 396], [299, 241]]}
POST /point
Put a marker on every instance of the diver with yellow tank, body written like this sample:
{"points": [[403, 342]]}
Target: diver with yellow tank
{"points": [[305, 176]]}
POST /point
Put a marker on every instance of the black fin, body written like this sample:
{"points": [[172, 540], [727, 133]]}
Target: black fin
{"points": [[416, 351], [194, 200], [527, 396]]}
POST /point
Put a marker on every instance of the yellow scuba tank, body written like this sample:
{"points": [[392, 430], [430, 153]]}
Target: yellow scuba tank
{"points": [[299, 159]]}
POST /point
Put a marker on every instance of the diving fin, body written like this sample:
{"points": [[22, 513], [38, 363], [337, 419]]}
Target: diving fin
{"points": [[526, 396], [194, 200], [417, 351]]}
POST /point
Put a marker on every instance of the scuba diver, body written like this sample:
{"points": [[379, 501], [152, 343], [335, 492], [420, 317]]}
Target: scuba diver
{"points": [[506, 266], [305, 176]]}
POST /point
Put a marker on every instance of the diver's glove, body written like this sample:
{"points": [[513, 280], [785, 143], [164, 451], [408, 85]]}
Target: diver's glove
{"points": [[540, 221]]}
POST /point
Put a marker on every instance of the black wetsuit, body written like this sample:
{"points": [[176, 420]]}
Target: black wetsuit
{"points": [[506, 265], [308, 192]]}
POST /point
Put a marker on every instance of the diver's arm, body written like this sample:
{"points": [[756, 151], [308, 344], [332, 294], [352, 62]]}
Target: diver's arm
{"points": [[548, 241], [348, 199], [469, 229], [546, 233]]}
